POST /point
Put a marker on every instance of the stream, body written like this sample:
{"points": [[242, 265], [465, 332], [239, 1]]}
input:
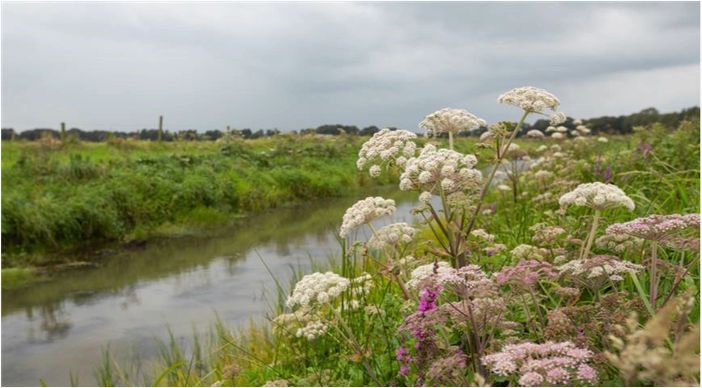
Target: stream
{"points": [[131, 298]]}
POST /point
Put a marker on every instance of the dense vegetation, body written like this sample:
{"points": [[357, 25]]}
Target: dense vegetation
{"points": [[534, 280], [606, 124], [61, 195]]}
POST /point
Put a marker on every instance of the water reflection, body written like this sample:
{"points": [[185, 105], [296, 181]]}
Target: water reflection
{"points": [[61, 325]]}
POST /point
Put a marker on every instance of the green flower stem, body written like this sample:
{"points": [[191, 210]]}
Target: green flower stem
{"points": [[500, 156], [653, 293], [591, 235]]}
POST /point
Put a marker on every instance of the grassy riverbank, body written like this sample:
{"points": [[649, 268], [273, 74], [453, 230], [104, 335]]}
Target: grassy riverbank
{"points": [[378, 333], [56, 197]]}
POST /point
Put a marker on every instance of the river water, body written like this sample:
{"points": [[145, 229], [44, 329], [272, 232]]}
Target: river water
{"points": [[63, 325]]}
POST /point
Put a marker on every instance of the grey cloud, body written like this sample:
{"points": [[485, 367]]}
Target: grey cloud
{"points": [[298, 65]]}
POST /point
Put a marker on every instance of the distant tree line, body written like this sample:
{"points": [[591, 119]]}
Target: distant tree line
{"points": [[604, 124]]}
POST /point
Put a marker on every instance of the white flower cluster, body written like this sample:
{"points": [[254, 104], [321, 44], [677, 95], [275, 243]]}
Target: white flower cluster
{"points": [[560, 129], [425, 272], [365, 211], [441, 169], [535, 134], [317, 288], [451, 120], [530, 99], [466, 279], [391, 235], [602, 266], [425, 197], [597, 195], [287, 323], [558, 118], [557, 136], [504, 188], [312, 330], [602, 139], [582, 130], [386, 147], [483, 235]]}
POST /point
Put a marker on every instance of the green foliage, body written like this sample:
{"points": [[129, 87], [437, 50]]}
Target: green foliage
{"points": [[55, 199]]}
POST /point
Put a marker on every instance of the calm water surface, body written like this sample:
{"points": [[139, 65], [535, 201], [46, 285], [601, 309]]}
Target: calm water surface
{"points": [[132, 298]]}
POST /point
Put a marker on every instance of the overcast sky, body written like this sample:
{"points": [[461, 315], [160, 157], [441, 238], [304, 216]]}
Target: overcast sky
{"points": [[292, 66]]}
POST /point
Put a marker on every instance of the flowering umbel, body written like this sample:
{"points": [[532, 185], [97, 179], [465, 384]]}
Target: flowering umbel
{"points": [[530, 99], [386, 148], [597, 195], [451, 120], [553, 363], [441, 169], [365, 211]]}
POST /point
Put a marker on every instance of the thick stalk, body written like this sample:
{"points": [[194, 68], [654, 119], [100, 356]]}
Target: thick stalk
{"points": [[450, 140], [500, 156], [653, 293], [591, 235]]}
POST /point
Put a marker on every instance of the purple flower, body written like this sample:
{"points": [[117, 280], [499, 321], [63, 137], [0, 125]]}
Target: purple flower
{"points": [[656, 227], [401, 353], [403, 356], [404, 370], [427, 299], [608, 174], [526, 273]]}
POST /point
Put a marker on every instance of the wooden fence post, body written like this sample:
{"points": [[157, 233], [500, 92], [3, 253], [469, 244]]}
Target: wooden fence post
{"points": [[63, 132], [160, 128]]}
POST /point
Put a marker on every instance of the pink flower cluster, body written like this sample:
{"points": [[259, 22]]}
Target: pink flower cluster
{"points": [[554, 363], [421, 325], [403, 356], [467, 281], [526, 273], [655, 227]]}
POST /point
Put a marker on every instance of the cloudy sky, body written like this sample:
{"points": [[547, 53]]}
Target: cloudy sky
{"points": [[291, 66]]}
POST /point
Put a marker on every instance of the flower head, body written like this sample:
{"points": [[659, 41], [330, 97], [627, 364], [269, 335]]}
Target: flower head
{"points": [[597, 195], [557, 363], [530, 99], [656, 227], [317, 288], [526, 273], [451, 120], [535, 134], [441, 169], [392, 234], [386, 147], [597, 269], [558, 118], [365, 211]]}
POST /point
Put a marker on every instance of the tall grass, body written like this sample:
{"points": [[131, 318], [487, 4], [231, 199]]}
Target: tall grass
{"points": [[70, 196]]}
